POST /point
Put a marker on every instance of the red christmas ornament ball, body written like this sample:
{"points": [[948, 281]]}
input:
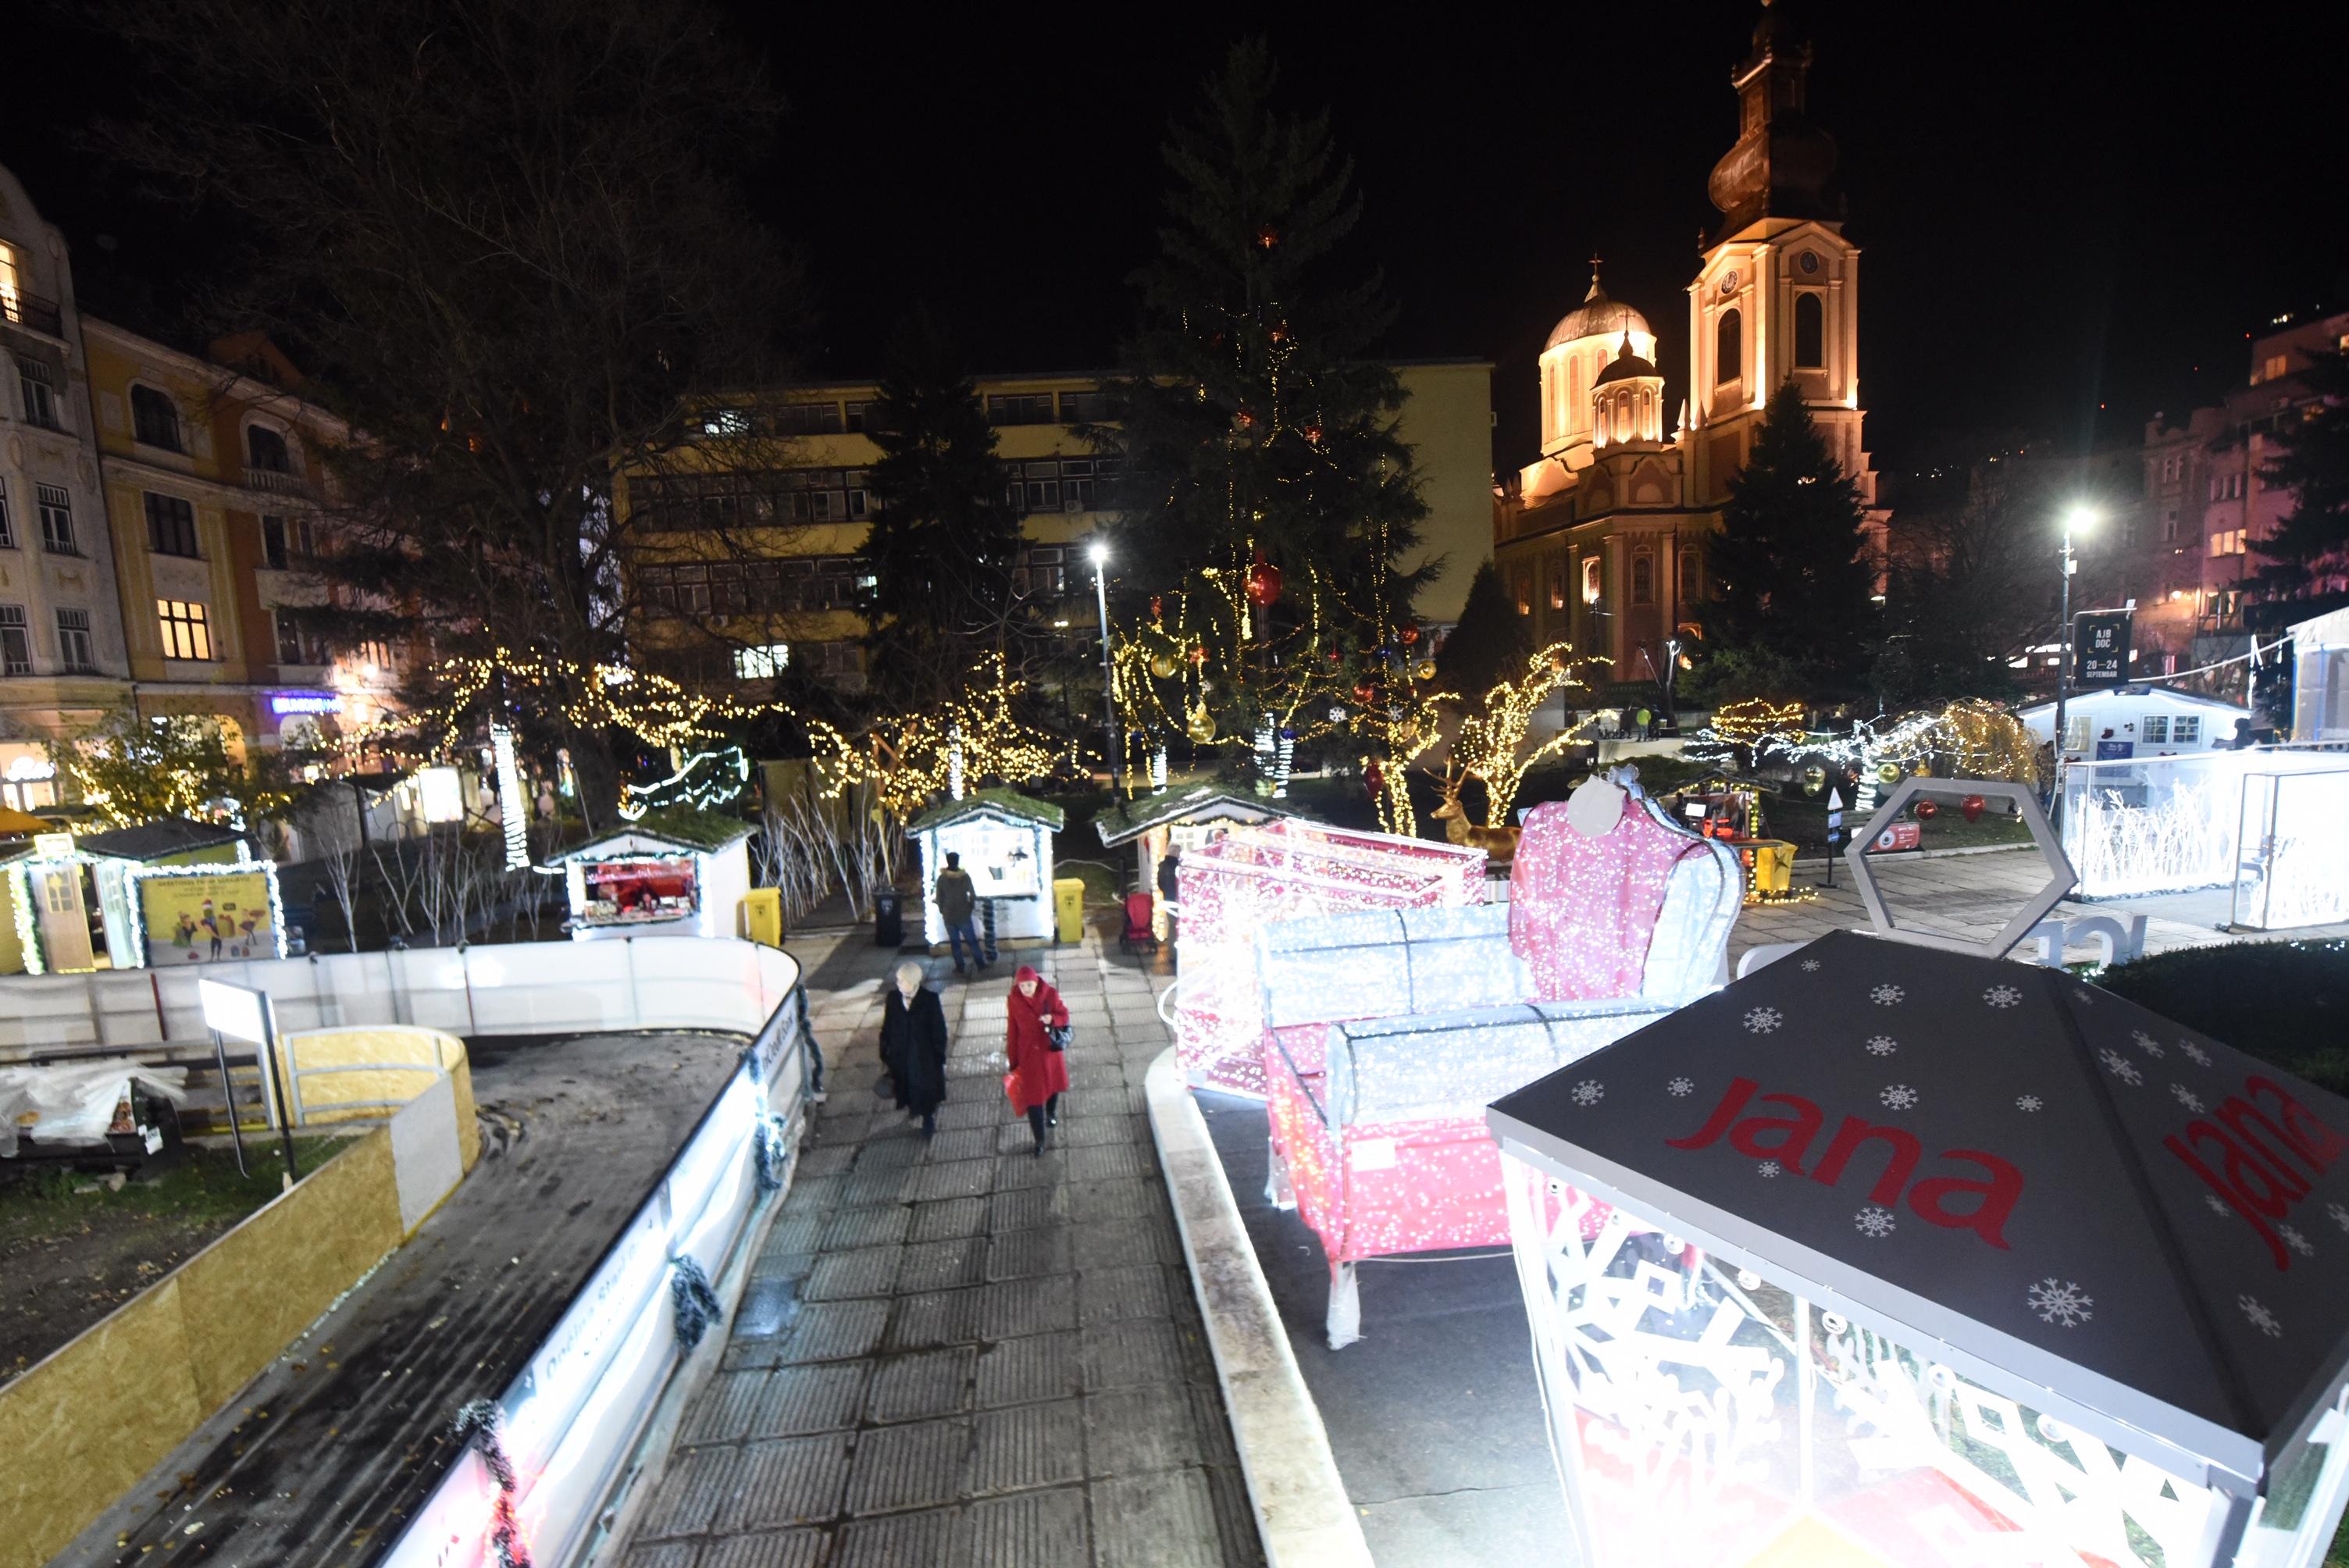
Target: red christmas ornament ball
{"points": [[1365, 693], [1408, 635], [1925, 810], [1971, 807], [1268, 236], [1157, 606], [1263, 583], [1313, 434]]}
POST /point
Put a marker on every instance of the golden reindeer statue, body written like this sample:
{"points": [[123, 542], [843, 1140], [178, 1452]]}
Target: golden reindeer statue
{"points": [[1500, 844]]}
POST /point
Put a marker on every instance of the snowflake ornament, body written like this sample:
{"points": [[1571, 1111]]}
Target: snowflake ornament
{"points": [[2262, 1318], [1588, 1092], [2062, 1303], [2200, 1057], [1899, 1096], [1680, 1086], [1882, 1045], [1886, 996], [2003, 996], [1874, 1223], [2340, 1215], [2028, 1102], [2296, 1241], [2186, 1096], [2120, 1067], [1768, 1168], [1764, 1020], [1810, 965], [2146, 1043]]}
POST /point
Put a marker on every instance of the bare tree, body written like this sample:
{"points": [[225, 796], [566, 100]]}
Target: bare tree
{"points": [[339, 857]]}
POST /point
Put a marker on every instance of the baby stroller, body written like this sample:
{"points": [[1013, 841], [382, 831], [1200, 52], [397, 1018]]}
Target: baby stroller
{"points": [[1137, 933]]}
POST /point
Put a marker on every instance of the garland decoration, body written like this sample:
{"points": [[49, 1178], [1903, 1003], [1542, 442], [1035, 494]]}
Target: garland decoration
{"points": [[476, 1427], [696, 1301]]}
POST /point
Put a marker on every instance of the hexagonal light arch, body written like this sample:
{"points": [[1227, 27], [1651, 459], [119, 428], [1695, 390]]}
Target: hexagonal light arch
{"points": [[2061, 878]]}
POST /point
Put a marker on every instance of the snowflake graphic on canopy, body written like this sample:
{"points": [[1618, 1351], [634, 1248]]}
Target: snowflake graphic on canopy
{"points": [[1588, 1092], [1874, 1223], [1810, 965], [1768, 1168], [2340, 1215], [2262, 1318], [2002, 995], [2200, 1057], [2120, 1067], [1899, 1096], [1885, 995], [1680, 1086], [2296, 1241], [2028, 1102], [2186, 1096], [1763, 1020], [2218, 1206], [2146, 1043], [2062, 1303], [2087, 997], [1882, 1045]]}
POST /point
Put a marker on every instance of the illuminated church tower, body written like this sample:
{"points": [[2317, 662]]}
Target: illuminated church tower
{"points": [[1778, 295]]}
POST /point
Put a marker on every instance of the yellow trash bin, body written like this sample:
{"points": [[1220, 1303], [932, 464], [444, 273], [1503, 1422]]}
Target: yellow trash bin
{"points": [[1069, 908], [762, 915], [1772, 863]]}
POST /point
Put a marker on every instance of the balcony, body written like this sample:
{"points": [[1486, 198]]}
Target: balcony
{"points": [[31, 310], [276, 481]]}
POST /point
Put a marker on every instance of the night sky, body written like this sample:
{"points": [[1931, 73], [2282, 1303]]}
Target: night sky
{"points": [[2071, 214]]}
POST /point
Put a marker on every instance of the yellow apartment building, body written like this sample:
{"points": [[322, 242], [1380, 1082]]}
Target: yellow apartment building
{"points": [[753, 537], [212, 476]]}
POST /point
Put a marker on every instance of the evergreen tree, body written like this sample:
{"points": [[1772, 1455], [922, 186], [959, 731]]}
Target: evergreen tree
{"points": [[1490, 645], [2314, 466], [943, 538], [1793, 585], [1253, 422]]}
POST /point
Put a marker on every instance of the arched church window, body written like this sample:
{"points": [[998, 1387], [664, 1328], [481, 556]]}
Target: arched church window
{"points": [[1728, 347], [1692, 578], [1810, 332], [1643, 578], [1590, 579]]}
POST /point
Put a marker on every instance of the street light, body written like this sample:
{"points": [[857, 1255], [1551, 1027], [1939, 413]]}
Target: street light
{"points": [[1099, 554], [2082, 518]]}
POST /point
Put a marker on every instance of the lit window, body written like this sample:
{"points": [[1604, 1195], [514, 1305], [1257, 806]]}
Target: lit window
{"points": [[761, 664], [1590, 579], [187, 629], [155, 419], [2273, 368], [1557, 587], [1523, 581], [74, 649], [726, 422]]}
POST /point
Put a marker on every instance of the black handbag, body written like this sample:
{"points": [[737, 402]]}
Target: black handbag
{"points": [[1058, 1035]]}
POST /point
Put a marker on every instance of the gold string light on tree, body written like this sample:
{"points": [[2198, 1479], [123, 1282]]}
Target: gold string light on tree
{"points": [[1490, 745]]}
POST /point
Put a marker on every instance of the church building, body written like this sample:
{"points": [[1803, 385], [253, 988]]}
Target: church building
{"points": [[1601, 541]]}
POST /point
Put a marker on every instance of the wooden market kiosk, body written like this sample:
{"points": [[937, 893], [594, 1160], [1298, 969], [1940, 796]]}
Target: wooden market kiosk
{"points": [[160, 895], [676, 872], [1005, 839]]}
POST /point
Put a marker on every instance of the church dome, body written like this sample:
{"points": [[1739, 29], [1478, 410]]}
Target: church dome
{"points": [[1597, 316], [1626, 366]]}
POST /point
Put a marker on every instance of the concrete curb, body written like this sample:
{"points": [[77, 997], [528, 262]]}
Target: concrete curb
{"points": [[1302, 1513]]}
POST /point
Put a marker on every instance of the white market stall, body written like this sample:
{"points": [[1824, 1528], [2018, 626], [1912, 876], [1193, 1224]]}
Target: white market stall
{"points": [[1005, 839], [2136, 721], [1179, 821], [673, 873], [160, 894], [2320, 686]]}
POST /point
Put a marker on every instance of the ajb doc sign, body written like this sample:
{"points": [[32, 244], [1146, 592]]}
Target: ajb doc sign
{"points": [[2100, 648]]}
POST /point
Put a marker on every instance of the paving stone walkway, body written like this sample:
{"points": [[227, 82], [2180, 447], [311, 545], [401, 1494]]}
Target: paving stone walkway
{"points": [[956, 1353]]}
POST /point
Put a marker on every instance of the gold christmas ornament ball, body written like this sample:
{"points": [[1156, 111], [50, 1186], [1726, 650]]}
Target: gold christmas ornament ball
{"points": [[1423, 670], [1887, 772], [1201, 726], [1163, 666]]}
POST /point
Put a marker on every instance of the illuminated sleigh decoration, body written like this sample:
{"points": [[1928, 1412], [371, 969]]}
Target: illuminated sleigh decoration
{"points": [[1386, 1033], [1240, 883], [1892, 1254]]}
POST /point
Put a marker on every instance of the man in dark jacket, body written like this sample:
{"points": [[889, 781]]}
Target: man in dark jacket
{"points": [[1170, 868], [957, 898]]}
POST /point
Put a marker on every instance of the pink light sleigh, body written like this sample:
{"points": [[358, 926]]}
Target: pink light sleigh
{"points": [[1385, 1033]]}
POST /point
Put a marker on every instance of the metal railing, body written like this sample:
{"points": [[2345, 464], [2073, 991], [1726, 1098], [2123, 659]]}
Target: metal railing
{"points": [[31, 310]]}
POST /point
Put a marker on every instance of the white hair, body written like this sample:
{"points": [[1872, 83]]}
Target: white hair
{"points": [[911, 968]]}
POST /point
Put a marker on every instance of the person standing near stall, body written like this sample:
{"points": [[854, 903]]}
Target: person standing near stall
{"points": [[957, 900], [913, 1046], [1040, 1065]]}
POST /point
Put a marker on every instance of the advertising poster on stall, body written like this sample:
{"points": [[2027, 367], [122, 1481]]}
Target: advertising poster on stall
{"points": [[210, 918]]}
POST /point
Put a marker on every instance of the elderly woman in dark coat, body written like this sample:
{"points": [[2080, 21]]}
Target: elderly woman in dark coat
{"points": [[913, 1046]]}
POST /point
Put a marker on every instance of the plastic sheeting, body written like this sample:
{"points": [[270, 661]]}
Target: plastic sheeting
{"points": [[72, 1102]]}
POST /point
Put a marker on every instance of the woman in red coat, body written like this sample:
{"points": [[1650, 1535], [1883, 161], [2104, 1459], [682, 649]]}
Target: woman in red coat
{"points": [[1039, 1074]]}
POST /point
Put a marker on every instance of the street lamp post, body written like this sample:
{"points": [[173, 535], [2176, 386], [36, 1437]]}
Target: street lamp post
{"points": [[2078, 517], [1099, 554]]}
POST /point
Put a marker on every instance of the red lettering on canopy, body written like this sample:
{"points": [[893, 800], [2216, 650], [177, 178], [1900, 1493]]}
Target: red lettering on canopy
{"points": [[2268, 1203], [1790, 1135], [1997, 1195], [1898, 1167]]}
